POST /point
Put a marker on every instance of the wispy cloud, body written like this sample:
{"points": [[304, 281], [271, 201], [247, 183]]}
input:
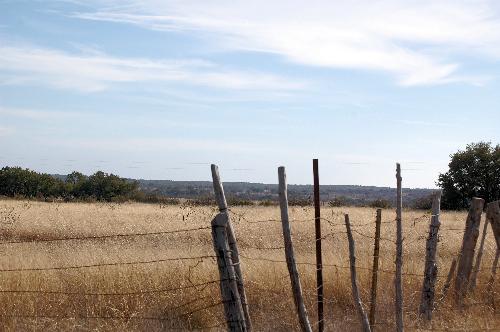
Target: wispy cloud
{"points": [[6, 131], [418, 42], [33, 114], [97, 71]]}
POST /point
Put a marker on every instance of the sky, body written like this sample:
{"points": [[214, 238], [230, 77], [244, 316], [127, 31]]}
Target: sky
{"points": [[159, 89]]}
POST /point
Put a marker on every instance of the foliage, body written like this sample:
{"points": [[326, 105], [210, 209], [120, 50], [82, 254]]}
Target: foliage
{"points": [[474, 172], [18, 182], [338, 201], [423, 203], [380, 203]]}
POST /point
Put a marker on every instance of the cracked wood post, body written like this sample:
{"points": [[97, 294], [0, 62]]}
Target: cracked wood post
{"points": [[430, 271], [489, 287], [447, 283], [493, 215], [376, 250], [475, 271], [354, 283], [290, 257], [467, 251], [220, 198], [399, 253], [233, 309]]}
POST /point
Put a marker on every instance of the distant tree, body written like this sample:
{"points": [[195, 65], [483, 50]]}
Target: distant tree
{"points": [[338, 201], [474, 172], [380, 203], [106, 187], [423, 203], [75, 184], [16, 181]]}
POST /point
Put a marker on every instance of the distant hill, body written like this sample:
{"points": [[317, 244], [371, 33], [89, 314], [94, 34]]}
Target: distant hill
{"points": [[355, 195]]}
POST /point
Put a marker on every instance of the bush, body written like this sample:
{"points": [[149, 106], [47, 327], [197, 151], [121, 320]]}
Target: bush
{"points": [[423, 203], [18, 182], [338, 201], [268, 202], [300, 202], [380, 203]]}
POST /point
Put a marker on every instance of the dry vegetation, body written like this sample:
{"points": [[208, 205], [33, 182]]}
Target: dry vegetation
{"points": [[152, 304]]}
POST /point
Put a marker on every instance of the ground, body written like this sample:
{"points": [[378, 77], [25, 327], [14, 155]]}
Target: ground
{"points": [[150, 282]]}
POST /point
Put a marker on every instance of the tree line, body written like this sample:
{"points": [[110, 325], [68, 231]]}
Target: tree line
{"points": [[100, 186], [473, 172]]}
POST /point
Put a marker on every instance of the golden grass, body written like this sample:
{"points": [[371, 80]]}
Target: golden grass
{"points": [[267, 282]]}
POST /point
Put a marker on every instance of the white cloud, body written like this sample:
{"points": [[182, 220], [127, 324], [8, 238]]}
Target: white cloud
{"points": [[418, 42], [6, 131], [96, 71], [33, 114]]}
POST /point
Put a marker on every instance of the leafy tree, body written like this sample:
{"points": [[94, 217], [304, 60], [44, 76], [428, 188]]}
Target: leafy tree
{"points": [[105, 187], [474, 172], [380, 203]]}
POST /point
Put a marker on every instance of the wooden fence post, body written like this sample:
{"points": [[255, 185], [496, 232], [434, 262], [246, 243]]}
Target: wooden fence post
{"points": [[430, 271], [467, 251], [233, 309], [489, 287], [475, 271], [376, 250], [220, 198], [319, 259], [354, 283], [290, 257], [399, 252], [493, 215], [449, 277]]}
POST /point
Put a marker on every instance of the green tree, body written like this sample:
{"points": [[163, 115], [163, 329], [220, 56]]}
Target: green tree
{"points": [[474, 172], [106, 187]]}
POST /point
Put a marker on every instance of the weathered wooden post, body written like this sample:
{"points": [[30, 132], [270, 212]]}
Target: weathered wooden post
{"points": [[430, 271], [233, 309], [467, 251], [376, 250], [319, 259], [493, 215], [447, 283], [220, 198], [290, 257], [475, 271], [399, 252], [489, 287], [354, 283]]}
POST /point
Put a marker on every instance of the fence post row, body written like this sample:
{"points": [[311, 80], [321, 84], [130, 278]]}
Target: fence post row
{"points": [[290, 257], [399, 252], [319, 259], [376, 250], [354, 283], [468, 247], [430, 271], [220, 198]]}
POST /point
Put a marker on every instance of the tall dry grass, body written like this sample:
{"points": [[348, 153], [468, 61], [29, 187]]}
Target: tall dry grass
{"points": [[161, 295]]}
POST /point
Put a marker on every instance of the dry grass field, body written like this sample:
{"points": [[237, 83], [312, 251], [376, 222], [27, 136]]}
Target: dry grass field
{"points": [[74, 284]]}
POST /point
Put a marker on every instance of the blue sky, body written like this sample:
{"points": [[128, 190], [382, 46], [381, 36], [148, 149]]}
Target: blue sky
{"points": [[160, 89]]}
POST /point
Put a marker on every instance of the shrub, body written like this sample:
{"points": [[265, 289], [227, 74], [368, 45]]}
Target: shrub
{"points": [[380, 203], [338, 201], [423, 203]]}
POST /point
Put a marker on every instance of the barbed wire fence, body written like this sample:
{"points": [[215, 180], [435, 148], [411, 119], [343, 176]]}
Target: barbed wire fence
{"points": [[335, 230]]}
